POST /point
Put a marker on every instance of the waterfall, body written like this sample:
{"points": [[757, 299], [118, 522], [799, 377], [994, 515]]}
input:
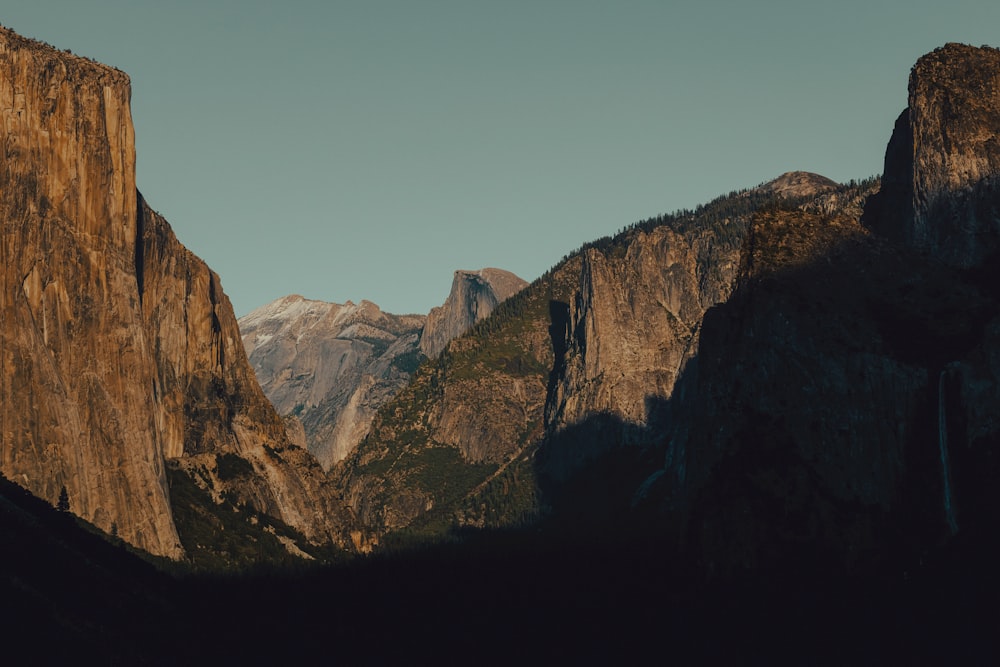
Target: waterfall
{"points": [[949, 508]]}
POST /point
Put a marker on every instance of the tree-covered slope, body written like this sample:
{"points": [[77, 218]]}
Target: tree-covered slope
{"points": [[469, 418], [489, 432]]}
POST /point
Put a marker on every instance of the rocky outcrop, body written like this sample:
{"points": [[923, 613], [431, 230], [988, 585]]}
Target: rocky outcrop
{"points": [[632, 326], [119, 349], [474, 295], [330, 366], [941, 185], [793, 184], [635, 322]]}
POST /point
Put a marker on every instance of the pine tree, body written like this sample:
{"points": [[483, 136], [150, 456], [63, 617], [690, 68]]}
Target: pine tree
{"points": [[63, 504]]}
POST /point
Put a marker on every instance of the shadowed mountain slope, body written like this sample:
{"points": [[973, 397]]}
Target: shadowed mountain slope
{"points": [[475, 439]]}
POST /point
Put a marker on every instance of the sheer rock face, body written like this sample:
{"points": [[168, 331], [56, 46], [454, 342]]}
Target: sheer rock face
{"points": [[636, 317], [78, 389], [209, 400], [834, 386], [634, 324], [330, 365], [636, 320], [474, 295], [941, 189], [118, 348]]}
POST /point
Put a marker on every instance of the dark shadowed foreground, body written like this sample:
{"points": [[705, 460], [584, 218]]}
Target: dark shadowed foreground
{"points": [[530, 597]]}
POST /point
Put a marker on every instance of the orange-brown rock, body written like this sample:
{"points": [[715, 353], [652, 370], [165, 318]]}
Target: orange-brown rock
{"points": [[78, 390], [941, 183], [661, 284], [209, 402], [118, 348]]}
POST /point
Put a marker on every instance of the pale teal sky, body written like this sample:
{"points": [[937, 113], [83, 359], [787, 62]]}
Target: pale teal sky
{"points": [[365, 150]]}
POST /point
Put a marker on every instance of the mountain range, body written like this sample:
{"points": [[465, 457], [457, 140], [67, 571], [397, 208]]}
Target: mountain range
{"points": [[330, 367], [793, 384]]}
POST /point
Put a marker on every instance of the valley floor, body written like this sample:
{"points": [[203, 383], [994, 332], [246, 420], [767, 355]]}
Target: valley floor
{"points": [[510, 598]]}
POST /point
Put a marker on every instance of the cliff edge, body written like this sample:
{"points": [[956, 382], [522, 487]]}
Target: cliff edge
{"points": [[118, 349]]}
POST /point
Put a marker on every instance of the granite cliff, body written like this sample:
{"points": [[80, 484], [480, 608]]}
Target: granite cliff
{"points": [[473, 296], [792, 428], [120, 352], [78, 391], [634, 322], [942, 163], [819, 423]]}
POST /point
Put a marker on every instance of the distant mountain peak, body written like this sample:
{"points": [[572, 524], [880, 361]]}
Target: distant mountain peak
{"points": [[474, 295], [332, 365], [799, 184], [329, 365]]}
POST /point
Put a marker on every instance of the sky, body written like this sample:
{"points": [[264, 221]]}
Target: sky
{"points": [[367, 149]]}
